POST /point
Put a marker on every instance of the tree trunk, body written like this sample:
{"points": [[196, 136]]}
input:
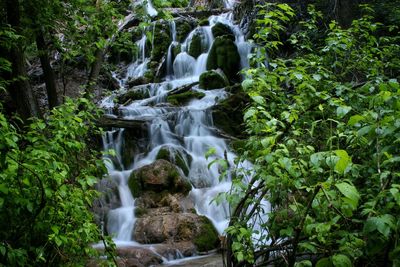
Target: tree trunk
{"points": [[95, 71], [49, 75], [19, 87]]}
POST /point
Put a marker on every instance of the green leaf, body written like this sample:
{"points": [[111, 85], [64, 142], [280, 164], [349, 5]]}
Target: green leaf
{"points": [[383, 224], [340, 260], [324, 262], [349, 191], [343, 162], [354, 120], [342, 111], [258, 99], [210, 152], [304, 263]]}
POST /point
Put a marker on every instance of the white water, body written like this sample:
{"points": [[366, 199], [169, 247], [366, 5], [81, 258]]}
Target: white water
{"points": [[189, 129]]}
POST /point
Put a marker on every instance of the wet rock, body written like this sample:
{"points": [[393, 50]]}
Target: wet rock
{"points": [[132, 82], [179, 157], [161, 41], [158, 203], [183, 28], [107, 200], [184, 98], [220, 29], [158, 176], [199, 44], [176, 250], [224, 54], [175, 227], [213, 79], [228, 114], [208, 4], [132, 95]]}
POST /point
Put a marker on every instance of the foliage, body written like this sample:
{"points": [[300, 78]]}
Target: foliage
{"points": [[46, 188], [324, 142], [170, 3]]}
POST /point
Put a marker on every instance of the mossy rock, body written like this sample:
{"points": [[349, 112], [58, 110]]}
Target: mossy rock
{"points": [[183, 28], [204, 22], [176, 49], [157, 177], [184, 98], [132, 96], [140, 212], [213, 79], [207, 239], [220, 29], [176, 157], [228, 114], [161, 42], [195, 47], [224, 55]]}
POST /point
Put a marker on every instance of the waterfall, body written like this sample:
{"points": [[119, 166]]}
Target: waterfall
{"points": [[188, 128]]}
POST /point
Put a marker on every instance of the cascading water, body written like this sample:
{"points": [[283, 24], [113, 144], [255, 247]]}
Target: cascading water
{"points": [[189, 128]]}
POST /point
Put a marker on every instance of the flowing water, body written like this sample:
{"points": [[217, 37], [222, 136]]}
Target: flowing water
{"points": [[189, 129]]}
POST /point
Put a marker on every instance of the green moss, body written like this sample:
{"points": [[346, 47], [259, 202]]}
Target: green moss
{"points": [[161, 43], [220, 29], [224, 55], [182, 30], [163, 153], [131, 95], [204, 22], [184, 98], [139, 212], [207, 239], [212, 80], [180, 162], [195, 48], [134, 185]]}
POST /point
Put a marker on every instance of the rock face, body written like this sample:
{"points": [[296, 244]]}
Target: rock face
{"points": [[158, 176], [208, 4], [224, 55], [196, 47], [213, 79]]}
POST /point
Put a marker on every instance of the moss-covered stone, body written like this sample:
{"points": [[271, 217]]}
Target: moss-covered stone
{"points": [[220, 29], [157, 177], [140, 212], [132, 96], [183, 28], [228, 114], [176, 157], [161, 42], [195, 47], [204, 22], [224, 54], [207, 239], [213, 79], [135, 185], [184, 98]]}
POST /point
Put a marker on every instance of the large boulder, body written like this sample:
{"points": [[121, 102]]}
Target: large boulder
{"points": [[183, 27], [224, 55], [184, 98], [157, 203], [213, 79], [195, 47], [177, 227], [157, 177], [220, 29]]}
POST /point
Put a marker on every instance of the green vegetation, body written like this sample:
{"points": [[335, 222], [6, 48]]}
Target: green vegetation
{"points": [[324, 140], [224, 55], [207, 239], [47, 175], [213, 79], [184, 98]]}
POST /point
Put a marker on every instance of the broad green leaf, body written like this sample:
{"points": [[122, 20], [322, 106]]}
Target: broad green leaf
{"points": [[249, 113], [258, 99], [383, 224], [304, 263], [341, 111], [349, 191], [324, 262], [354, 120], [340, 260], [343, 162]]}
